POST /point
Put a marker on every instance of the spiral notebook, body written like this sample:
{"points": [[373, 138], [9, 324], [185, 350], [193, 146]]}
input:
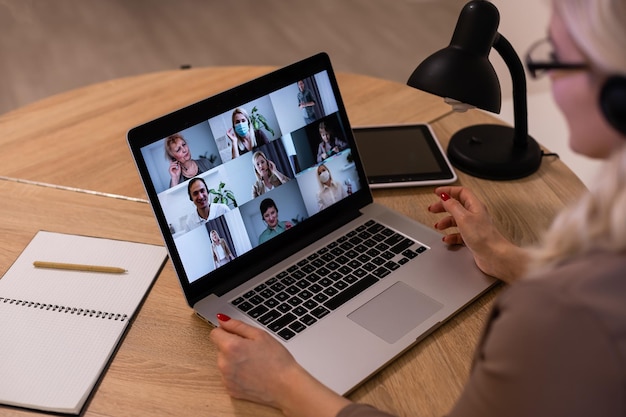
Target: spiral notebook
{"points": [[60, 328]]}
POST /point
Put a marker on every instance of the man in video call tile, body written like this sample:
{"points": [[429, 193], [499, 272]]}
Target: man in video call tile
{"points": [[205, 210], [306, 103]]}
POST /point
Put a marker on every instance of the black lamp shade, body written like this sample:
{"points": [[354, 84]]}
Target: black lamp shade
{"points": [[462, 71], [457, 74]]}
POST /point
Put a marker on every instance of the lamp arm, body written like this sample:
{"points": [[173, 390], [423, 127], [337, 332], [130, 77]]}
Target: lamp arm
{"points": [[520, 105]]}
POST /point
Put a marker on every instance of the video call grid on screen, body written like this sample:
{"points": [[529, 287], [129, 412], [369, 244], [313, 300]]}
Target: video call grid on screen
{"points": [[293, 147]]}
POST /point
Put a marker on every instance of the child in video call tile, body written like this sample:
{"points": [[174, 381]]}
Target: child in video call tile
{"points": [[306, 103], [205, 210], [330, 144], [182, 167], [269, 212], [242, 135], [330, 190], [221, 252], [267, 175]]}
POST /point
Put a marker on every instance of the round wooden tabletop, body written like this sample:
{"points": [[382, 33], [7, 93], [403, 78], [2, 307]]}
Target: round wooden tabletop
{"points": [[166, 365]]}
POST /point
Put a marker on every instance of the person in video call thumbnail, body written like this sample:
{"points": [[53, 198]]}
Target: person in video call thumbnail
{"points": [[243, 136], [268, 177], [269, 212], [221, 252], [306, 103], [330, 190], [205, 210], [182, 166], [330, 144]]}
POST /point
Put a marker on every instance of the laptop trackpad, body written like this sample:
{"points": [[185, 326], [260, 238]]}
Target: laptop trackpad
{"points": [[395, 311]]}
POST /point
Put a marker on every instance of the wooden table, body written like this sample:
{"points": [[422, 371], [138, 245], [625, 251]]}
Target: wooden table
{"points": [[78, 139], [166, 364]]}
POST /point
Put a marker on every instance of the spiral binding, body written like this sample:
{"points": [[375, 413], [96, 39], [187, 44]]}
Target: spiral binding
{"points": [[64, 309]]}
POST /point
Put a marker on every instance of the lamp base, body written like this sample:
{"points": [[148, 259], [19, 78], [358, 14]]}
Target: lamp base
{"points": [[486, 151]]}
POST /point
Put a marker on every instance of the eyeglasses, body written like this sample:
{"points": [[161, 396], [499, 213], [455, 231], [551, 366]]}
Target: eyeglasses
{"points": [[542, 58]]}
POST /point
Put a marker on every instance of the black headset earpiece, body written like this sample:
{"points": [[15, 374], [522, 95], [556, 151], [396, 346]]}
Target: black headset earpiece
{"points": [[613, 102]]}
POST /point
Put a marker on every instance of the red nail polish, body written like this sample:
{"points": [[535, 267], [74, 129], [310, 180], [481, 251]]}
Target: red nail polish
{"points": [[445, 196], [222, 317]]}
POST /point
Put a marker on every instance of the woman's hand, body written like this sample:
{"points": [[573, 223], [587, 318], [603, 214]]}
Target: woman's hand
{"points": [[493, 253], [252, 362], [272, 166], [255, 367], [233, 142], [175, 171]]}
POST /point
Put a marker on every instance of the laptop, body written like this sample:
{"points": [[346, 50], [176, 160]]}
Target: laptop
{"points": [[293, 241]]}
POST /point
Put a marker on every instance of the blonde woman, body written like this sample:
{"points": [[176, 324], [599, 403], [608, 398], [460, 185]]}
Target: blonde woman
{"points": [[555, 343], [221, 252], [330, 191], [182, 166], [267, 176], [243, 136]]}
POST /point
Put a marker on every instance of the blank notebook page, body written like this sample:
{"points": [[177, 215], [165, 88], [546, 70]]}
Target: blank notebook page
{"points": [[58, 329]]}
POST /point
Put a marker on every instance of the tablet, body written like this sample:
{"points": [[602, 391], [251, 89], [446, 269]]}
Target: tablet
{"points": [[402, 156]]}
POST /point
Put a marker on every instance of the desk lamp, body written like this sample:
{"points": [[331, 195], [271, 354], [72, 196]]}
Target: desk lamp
{"points": [[462, 73]]}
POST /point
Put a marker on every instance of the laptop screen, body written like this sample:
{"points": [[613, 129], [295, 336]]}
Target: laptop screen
{"points": [[228, 176]]}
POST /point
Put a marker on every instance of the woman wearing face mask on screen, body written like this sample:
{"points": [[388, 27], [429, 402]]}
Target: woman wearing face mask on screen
{"points": [[330, 191], [555, 342], [243, 136]]}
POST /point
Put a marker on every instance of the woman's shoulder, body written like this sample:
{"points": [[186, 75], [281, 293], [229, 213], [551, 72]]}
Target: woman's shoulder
{"points": [[592, 272], [204, 164], [593, 286], [564, 325], [261, 137], [564, 328]]}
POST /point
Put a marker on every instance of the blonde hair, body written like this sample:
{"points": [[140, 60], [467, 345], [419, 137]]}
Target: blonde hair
{"points": [[168, 143], [597, 27], [256, 155], [319, 168], [598, 220], [242, 111], [595, 222]]}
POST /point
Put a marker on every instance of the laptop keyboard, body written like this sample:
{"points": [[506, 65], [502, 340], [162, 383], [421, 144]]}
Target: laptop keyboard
{"points": [[307, 291]]}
